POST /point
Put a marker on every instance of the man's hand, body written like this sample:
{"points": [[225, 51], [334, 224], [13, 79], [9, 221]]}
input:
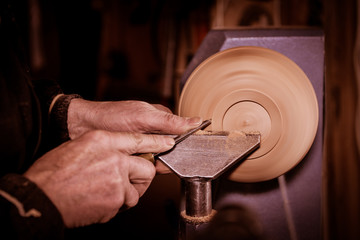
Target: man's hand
{"points": [[89, 179], [125, 116]]}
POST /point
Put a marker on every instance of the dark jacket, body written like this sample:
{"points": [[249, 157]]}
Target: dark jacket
{"points": [[27, 131]]}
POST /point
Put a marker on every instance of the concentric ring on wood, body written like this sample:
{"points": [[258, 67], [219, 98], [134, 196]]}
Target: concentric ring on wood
{"points": [[256, 89]]}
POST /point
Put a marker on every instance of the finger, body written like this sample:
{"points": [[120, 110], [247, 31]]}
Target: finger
{"points": [[167, 123], [141, 188], [132, 143], [131, 196], [141, 173], [161, 168]]}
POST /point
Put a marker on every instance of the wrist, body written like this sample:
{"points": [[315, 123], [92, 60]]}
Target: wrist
{"points": [[80, 113], [58, 115]]}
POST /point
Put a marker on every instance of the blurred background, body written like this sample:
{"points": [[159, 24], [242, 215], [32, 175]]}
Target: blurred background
{"points": [[138, 49]]}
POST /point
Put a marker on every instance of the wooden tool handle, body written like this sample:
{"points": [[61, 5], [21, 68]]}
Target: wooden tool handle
{"points": [[148, 156]]}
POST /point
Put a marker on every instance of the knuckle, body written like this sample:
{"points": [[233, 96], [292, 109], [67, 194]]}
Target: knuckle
{"points": [[137, 140], [97, 135], [161, 108], [170, 119], [158, 143], [141, 106], [153, 140], [132, 202], [163, 120], [122, 162]]}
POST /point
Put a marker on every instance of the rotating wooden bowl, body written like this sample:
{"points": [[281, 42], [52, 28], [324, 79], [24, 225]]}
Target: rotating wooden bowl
{"points": [[256, 89]]}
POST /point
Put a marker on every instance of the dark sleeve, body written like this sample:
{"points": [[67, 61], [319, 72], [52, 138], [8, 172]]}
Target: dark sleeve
{"points": [[26, 212], [54, 125]]}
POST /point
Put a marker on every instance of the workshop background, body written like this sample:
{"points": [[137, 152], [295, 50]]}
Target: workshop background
{"points": [[138, 49]]}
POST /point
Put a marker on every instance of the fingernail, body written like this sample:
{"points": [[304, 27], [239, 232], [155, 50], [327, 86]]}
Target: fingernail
{"points": [[194, 121], [170, 142]]}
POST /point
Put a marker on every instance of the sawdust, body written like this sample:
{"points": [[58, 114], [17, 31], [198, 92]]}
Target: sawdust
{"points": [[236, 134], [203, 132], [198, 220], [237, 138]]}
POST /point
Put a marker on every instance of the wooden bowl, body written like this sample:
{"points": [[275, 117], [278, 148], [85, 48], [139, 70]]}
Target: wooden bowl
{"points": [[256, 89]]}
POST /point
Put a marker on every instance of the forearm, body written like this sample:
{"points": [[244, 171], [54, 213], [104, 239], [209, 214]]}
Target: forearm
{"points": [[26, 212]]}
